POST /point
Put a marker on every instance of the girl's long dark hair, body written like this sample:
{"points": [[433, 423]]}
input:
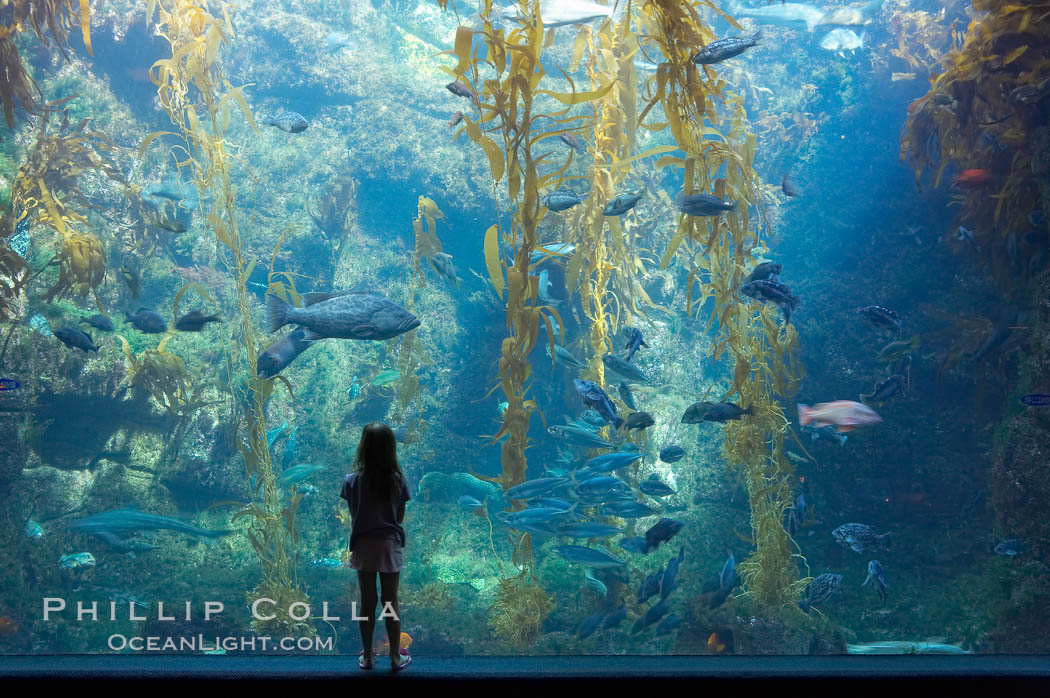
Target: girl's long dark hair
{"points": [[376, 460]]}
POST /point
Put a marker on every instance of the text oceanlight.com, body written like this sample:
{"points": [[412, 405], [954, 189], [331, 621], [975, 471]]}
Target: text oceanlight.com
{"points": [[219, 645]]}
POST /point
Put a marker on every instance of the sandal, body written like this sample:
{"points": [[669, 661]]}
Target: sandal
{"points": [[361, 661], [406, 659]]}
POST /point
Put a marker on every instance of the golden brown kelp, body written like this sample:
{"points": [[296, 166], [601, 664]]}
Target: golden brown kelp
{"points": [[200, 103], [164, 376], [760, 349], [504, 104], [984, 113], [336, 211], [52, 17]]}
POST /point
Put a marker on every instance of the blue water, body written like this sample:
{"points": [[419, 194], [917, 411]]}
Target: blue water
{"points": [[89, 432]]}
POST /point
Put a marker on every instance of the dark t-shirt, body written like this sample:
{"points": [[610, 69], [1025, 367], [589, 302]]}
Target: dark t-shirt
{"points": [[372, 518]]}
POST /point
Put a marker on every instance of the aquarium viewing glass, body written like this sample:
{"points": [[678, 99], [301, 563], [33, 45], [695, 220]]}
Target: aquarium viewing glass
{"points": [[702, 327]]}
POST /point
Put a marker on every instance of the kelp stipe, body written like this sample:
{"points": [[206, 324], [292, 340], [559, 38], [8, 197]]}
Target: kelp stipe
{"points": [[761, 349], [203, 148]]}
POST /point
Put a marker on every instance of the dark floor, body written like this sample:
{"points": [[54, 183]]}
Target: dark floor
{"points": [[966, 672]]}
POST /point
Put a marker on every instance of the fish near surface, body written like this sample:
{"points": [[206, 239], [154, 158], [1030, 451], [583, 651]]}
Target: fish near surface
{"points": [[723, 49], [347, 316], [784, 14], [574, 141], [288, 121], [635, 341], [844, 414], [841, 40], [639, 420], [561, 13], [672, 454], [765, 271]]}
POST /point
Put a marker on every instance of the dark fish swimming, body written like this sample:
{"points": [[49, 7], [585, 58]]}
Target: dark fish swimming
{"points": [[626, 395], [703, 205], [578, 437], [880, 317], [287, 121], [772, 292], [766, 271], [897, 350], [672, 454], [639, 420], [877, 578], [279, 355], [723, 49], [820, 589], [788, 186], [194, 321], [562, 199], [669, 581], [9, 384], [460, 90], [661, 532], [655, 487], [713, 412], [75, 339], [131, 279], [146, 320], [885, 389], [342, 316], [635, 341], [623, 368], [99, 322], [1035, 400], [622, 204], [595, 397], [574, 141]]}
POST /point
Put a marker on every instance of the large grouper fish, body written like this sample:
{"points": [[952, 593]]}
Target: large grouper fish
{"points": [[355, 315]]}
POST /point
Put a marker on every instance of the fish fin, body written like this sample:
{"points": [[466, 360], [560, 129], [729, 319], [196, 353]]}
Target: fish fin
{"points": [[311, 336], [804, 414], [844, 427], [316, 297], [756, 37], [276, 312], [363, 331]]}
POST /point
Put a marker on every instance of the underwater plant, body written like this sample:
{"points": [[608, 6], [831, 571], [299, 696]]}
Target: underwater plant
{"points": [[336, 211], [982, 116], [164, 376], [761, 350], [199, 102], [44, 16], [47, 191]]}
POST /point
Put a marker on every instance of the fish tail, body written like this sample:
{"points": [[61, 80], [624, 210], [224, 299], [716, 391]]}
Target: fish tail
{"points": [[276, 312], [750, 410], [804, 414], [756, 37]]}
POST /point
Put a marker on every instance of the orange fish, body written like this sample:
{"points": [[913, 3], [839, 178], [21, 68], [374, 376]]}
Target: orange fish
{"points": [[845, 414], [973, 179], [384, 645], [715, 644]]}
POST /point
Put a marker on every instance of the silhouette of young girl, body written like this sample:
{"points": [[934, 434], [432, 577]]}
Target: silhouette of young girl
{"points": [[376, 493]]}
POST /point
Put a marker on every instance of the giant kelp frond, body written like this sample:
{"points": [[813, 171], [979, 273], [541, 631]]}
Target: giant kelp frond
{"points": [[45, 17], [164, 376], [518, 611], [200, 103], [983, 112], [710, 127], [47, 185]]}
